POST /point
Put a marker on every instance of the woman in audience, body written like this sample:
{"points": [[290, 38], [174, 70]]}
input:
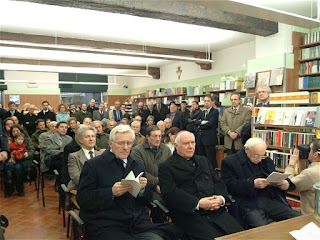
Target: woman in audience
{"points": [[7, 123], [63, 115], [170, 138]]}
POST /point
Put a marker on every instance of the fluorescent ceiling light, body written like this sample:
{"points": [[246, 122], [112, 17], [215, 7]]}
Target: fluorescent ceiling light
{"points": [[77, 49], [58, 82], [58, 69]]}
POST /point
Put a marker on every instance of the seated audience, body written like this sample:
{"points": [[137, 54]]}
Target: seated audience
{"points": [[102, 138], [194, 194], [108, 210], [162, 127], [170, 138], [17, 165], [256, 199], [87, 121], [110, 126], [304, 181], [72, 123], [83, 113], [87, 141]]}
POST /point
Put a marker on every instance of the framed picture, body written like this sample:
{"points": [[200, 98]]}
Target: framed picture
{"points": [[250, 80], [248, 102], [263, 78], [14, 98], [276, 77]]}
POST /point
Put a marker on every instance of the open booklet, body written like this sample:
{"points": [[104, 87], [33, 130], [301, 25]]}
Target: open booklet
{"points": [[130, 179], [276, 177]]}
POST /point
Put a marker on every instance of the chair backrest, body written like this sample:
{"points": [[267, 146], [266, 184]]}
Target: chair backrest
{"points": [[77, 227]]}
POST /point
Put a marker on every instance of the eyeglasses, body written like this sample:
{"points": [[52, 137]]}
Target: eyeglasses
{"points": [[122, 144], [155, 136], [256, 156]]}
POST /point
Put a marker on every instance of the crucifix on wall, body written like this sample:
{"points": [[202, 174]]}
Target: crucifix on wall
{"points": [[179, 71]]}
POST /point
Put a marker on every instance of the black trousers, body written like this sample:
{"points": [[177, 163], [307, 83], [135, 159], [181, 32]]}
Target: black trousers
{"points": [[210, 152]]}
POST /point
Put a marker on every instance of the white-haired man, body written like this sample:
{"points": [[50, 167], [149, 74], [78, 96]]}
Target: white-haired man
{"points": [[256, 198]]}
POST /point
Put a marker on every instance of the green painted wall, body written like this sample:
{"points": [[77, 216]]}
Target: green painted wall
{"points": [[271, 62]]}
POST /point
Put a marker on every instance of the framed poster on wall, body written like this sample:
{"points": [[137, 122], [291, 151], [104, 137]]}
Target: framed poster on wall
{"points": [[263, 78], [14, 98]]}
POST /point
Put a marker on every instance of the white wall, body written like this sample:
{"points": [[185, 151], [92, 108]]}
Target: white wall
{"points": [[22, 88]]}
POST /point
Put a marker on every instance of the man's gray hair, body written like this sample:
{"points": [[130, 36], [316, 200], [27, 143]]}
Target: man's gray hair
{"points": [[96, 121], [104, 122], [121, 129], [81, 131], [264, 87], [136, 123], [179, 134], [252, 142]]}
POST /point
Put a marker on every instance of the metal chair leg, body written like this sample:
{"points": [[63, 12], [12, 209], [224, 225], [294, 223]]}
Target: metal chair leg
{"points": [[42, 191]]}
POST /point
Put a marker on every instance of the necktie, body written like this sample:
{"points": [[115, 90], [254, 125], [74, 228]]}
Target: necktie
{"points": [[60, 141], [171, 117], [205, 113], [124, 164], [158, 108], [101, 115], [91, 154], [234, 110]]}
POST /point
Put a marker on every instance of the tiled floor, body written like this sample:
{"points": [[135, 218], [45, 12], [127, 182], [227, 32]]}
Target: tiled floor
{"points": [[28, 219]]}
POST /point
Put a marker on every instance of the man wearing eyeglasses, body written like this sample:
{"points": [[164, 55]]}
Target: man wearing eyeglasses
{"points": [[151, 152], [256, 199], [107, 208]]}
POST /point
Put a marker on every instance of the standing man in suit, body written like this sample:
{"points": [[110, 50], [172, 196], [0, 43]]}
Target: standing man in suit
{"points": [[207, 123], [107, 208], [92, 106], [76, 160], [116, 114], [100, 113], [232, 121], [29, 120], [175, 116], [72, 110], [13, 111], [81, 115], [161, 108], [185, 114], [194, 194], [45, 113], [139, 110], [263, 95], [307, 178]]}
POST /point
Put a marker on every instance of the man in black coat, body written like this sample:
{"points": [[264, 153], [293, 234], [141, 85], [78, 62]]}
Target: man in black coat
{"points": [[185, 114], [191, 127], [194, 194], [45, 113], [107, 208], [150, 111], [207, 123], [13, 111], [161, 108], [256, 199]]}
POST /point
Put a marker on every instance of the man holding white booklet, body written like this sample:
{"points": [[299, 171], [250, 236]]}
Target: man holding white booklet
{"points": [[110, 206], [258, 195]]}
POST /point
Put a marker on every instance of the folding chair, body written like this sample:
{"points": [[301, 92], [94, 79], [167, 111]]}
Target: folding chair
{"points": [[77, 232]]}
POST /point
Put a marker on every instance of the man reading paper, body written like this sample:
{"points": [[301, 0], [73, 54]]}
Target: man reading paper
{"points": [[107, 208], [256, 199]]}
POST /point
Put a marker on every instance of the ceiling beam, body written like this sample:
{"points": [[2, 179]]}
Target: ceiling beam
{"points": [[183, 11], [152, 71], [131, 48]]}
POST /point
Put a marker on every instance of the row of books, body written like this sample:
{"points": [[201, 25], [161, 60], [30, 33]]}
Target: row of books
{"points": [[200, 89], [311, 38], [281, 138], [292, 117], [311, 52], [310, 67], [309, 82], [280, 159], [166, 92]]}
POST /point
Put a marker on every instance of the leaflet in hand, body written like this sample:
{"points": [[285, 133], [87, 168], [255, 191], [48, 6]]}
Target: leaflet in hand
{"points": [[276, 177], [134, 182]]}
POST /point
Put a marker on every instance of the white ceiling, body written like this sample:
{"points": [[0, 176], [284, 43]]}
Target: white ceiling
{"points": [[32, 18]]}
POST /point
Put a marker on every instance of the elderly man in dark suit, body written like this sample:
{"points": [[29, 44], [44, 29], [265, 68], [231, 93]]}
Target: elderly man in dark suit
{"points": [[13, 111], [194, 194], [161, 108], [107, 208], [87, 141], [207, 123], [100, 113], [175, 116], [245, 174]]}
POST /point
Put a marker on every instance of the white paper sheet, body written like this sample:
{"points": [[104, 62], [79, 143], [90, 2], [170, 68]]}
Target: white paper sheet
{"points": [[276, 177], [130, 179], [309, 232]]}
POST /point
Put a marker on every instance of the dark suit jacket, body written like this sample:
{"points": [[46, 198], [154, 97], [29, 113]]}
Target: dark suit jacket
{"points": [[96, 115], [147, 113], [238, 174], [49, 114], [164, 110], [183, 185], [208, 132], [91, 110], [177, 120], [16, 113], [97, 178], [184, 116], [81, 115], [191, 127]]}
